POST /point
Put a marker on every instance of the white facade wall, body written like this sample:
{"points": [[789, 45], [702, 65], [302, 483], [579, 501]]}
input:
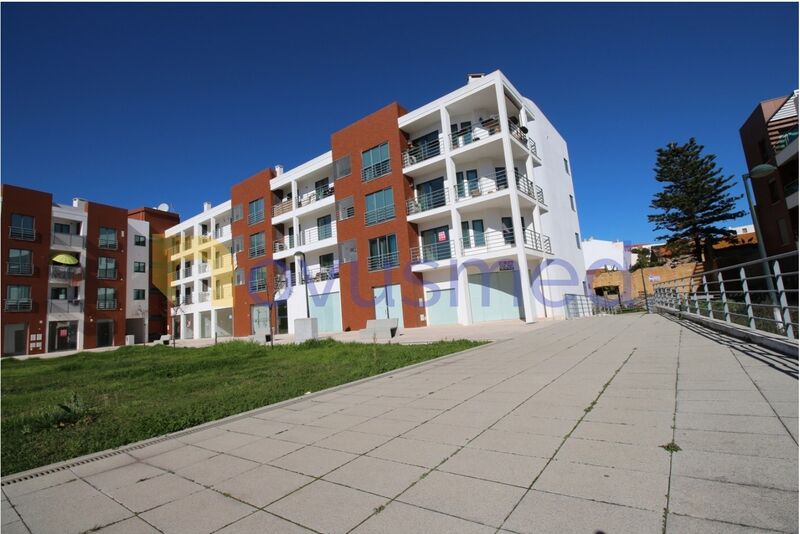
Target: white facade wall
{"points": [[137, 309], [603, 254]]}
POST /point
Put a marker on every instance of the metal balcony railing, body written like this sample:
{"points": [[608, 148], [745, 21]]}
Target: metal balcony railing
{"points": [[255, 217], [378, 215], [65, 272], [18, 305], [376, 171], [204, 239], [223, 232], [540, 196], [187, 299], [67, 240], [318, 233], [23, 234], [760, 295], [428, 201], [187, 271], [321, 273], [474, 132], [282, 207], [19, 268], [287, 242], [443, 250], [66, 305], [316, 195], [257, 250], [382, 261], [258, 284], [785, 140], [107, 274], [203, 268], [107, 304], [280, 280], [488, 241], [108, 243], [476, 188], [203, 296], [427, 150], [536, 241]]}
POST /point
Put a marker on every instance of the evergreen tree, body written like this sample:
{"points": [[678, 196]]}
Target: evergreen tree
{"points": [[695, 197]]}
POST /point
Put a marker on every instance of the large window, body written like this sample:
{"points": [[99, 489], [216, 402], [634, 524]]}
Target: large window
{"points": [[108, 238], [255, 211], [22, 227], [375, 162], [382, 253], [106, 268], [341, 167], [379, 207], [257, 247], [236, 212], [258, 279], [238, 244], [20, 261], [344, 208], [61, 228], [238, 277], [478, 237], [106, 298], [18, 298]]}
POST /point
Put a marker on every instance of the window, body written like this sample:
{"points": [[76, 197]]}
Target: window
{"points": [[138, 294], [508, 230], [108, 238], [572, 202], [324, 227], [61, 228], [345, 209], [258, 279], [139, 267], [106, 268], [106, 298], [238, 277], [375, 162], [566, 165], [322, 188], [236, 212], [20, 261], [382, 253], [478, 235], [578, 240], [783, 231], [18, 298], [140, 240], [379, 207], [22, 227], [238, 244], [341, 167], [255, 211], [467, 184], [348, 251], [257, 245]]}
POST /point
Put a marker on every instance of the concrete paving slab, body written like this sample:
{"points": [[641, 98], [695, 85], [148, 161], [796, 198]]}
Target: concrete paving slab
{"points": [[105, 464], [652, 459], [751, 424], [414, 452], [256, 427], [775, 473], [353, 442], [382, 477], [517, 443], [261, 523], [179, 458], [681, 524], [535, 425], [313, 461], [440, 433], [123, 476], [227, 441], [263, 485], [12, 491], [17, 527], [622, 433], [216, 469], [155, 449], [399, 518], [200, 513], [152, 492], [305, 434], [265, 450], [760, 445], [133, 525], [506, 468]]}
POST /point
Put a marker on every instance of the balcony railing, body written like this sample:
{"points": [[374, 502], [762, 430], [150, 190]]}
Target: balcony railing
{"points": [[376, 171], [485, 242], [67, 240], [203, 268], [284, 206], [258, 284], [187, 299], [785, 140], [203, 296], [255, 217], [204, 239], [321, 273], [285, 243], [107, 304], [108, 243], [65, 272], [474, 132], [19, 268], [428, 201], [314, 196], [427, 150], [540, 196], [520, 134], [187, 271], [223, 262], [17, 305], [174, 249], [257, 250], [318, 233], [281, 280], [433, 252], [23, 234], [107, 274], [476, 188], [524, 185], [66, 305], [378, 215], [537, 241], [382, 261], [223, 232]]}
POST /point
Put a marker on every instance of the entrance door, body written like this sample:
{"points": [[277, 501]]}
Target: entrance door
{"points": [[388, 303], [105, 333], [283, 317], [467, 183], [436, 244], [63, 336], [14, 337], [259, 316]]}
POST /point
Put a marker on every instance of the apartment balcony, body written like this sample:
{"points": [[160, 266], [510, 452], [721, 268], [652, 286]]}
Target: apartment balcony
{"points": [[443, 250], [287, 242], [474, 132], [490, 241], [21, 234], [527, 187], [256, 250], [19, 268], [107, 244], [204, 296], [65, 306], [536, 241], [174, 250], [223, 262], [223, 233], [427, 202], [107, 304], [785, 140], [68, 240], [476, 188], [376, 171], [257, 285], [187, 272], [316, 234], [255, 217], [68, 273], [107, 274], [423, 152], [379, 215], [281, 281], [382, 262], [520, 133], [204, 240], [187, 299], [317, 195], [203, 269], [285, 206], [321, 273], [17, 305]]}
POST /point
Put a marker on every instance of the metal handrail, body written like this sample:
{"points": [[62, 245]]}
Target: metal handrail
{"points": [[376, 170], [320, 273], [107, 274], [65, 272], [254, 217], [18, 305], [66, 306], [257, 250], [488, 241], [524, 185], [498, 182], [106, 304], [314, 196], [427, 150], [379, 215], [765, 300], [474, 132], [187, 272], [282, 207], [108, 244], [537, 241], [443, 250], [67, 240], [428, 201], [257, 284], [382, 262], [285, 243], [23, 234], [19, 268], [318, 233], [540, 196]]}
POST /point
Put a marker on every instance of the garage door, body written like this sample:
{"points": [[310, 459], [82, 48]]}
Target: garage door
{"points": [[493, 296], [327, 309], [440, 307]]}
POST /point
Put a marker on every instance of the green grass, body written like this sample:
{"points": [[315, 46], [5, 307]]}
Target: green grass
{"points": [[61, 408]]}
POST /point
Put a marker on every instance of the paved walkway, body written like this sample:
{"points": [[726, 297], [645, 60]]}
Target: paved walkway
{"points": [[556, 430]]}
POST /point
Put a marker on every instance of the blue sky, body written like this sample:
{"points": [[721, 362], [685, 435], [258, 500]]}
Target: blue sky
{"points": [[139, 104]]}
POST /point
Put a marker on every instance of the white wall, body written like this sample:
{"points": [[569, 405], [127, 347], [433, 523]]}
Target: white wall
{"points": [[137, 309], [599, 254]]}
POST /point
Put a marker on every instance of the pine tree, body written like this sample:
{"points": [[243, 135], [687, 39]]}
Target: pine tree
{"points": [[695, 197]]}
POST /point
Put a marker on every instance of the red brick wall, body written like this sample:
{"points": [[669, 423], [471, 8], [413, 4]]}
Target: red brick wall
{"points": [[39, 205], [356, 282]]}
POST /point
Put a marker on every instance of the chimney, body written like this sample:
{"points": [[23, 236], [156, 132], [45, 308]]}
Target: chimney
{"points": [[78, 202], [278, 170], [206, 206], [475, 76]]}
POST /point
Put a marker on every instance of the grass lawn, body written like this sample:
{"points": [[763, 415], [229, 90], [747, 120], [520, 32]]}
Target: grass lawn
{"points": [[61, 408]]}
